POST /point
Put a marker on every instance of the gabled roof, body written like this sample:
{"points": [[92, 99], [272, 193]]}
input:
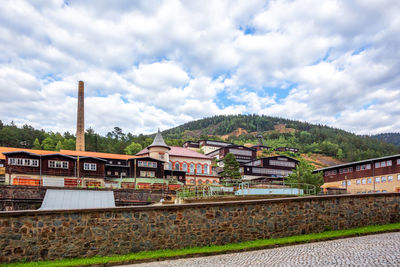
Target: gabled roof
{"points": [[179, 152], [15, 149], [96, 154], [158, 141], [358, 162]]}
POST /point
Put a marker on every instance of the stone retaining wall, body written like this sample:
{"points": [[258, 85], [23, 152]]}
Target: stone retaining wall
{"points": [[37, 235], [14, 197]]}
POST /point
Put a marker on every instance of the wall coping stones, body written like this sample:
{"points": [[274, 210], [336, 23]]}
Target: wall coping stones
{"points": [[193, 205]]}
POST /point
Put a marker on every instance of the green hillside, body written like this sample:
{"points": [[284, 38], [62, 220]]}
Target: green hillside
{"points": [[391, 138], [309, 138]]}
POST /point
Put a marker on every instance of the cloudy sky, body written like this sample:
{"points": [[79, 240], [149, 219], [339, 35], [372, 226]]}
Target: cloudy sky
{"points": [[157, 64]]}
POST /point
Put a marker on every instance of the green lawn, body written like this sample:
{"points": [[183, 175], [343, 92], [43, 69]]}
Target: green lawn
{"points": [[145, 255]]}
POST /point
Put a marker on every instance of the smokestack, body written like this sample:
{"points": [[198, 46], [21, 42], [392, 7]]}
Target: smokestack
{"points": [[80, 123]]}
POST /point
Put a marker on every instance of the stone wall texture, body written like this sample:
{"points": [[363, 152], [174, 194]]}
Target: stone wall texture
{"points": [[31, 197], [39, 235]]}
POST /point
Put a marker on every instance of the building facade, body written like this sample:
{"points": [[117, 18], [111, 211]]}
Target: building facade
{"points": [[366, 176], [242, 154], [196, 166], [268, 168]]}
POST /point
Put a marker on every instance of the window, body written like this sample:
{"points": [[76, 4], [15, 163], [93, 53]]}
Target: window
{"points": [[364, 181], [192, 181], [177, 166], [198, 168], [109, 173], [206, 168], [35, 162], [358, 181], [398, 177], [161, 156], [358, 167], [89, 166], [377, 165], [208, 182], [191, 168], [389, 163], [369, 180], [119, 162], [110, 162], [383, 164], [20, 162], [384, 191], [148, 164], [390, 178], [398, 161], [184, 167], [368, 166], [343, 183], [147, 174], [123, 173], [116, 173], [383, 179], [214, 182], [349, 183], [200, 182], [170, 165], [377, 179], [58, 164]]}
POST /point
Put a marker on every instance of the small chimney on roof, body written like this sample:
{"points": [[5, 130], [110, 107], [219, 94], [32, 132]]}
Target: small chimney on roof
{"points": [[80, 123]]}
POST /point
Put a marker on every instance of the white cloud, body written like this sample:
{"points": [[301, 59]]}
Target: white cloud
{"points": [[157, 64]]}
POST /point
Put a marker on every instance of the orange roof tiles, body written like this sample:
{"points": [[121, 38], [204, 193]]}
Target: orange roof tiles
{"points": [[96, 154], [12, 149]]}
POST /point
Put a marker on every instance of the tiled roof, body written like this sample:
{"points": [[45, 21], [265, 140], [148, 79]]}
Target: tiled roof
{"points": [[96, 154], [13, 149], [159, 141], [179, 152]]}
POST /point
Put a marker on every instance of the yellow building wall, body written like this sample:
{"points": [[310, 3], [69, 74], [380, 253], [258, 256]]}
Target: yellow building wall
{"points": [[354, 187]]}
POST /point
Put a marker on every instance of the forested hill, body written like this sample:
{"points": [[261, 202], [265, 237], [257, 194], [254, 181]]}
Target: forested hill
{"points": [[282, 132], [391, 138], [239, 129]]}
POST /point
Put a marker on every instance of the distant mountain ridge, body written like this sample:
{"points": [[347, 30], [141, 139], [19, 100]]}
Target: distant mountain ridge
{"points": [[391, 138]]}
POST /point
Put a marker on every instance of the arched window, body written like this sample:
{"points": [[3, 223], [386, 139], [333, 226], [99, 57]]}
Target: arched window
{"points": [[214, 182], [206, 168], [170, 165], [177, 166], [192, 181], [198, 168], [200, 181], [191, 168], [184, 167], [208, 181]]}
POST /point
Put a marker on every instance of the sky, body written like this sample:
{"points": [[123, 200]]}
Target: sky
{"points": [[158, 64]]}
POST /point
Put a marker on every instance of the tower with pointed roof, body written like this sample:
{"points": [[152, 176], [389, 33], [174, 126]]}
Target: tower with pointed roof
{"points": [[159, 149]]}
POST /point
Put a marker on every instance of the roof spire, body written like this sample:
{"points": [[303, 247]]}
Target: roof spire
{"points": [[158, 141]]}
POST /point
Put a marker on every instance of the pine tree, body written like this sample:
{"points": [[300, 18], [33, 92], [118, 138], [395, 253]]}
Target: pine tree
{"points": [[231, 171], [36, 144]]}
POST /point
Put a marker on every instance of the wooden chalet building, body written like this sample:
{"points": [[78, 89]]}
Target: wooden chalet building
{"points": [[242, 154], [268, 169], [366, 176]]}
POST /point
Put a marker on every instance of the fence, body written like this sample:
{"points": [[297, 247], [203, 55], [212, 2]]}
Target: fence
{"points": [[246, 188]]}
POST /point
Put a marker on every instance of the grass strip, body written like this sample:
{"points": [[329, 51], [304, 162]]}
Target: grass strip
{"points": [[214, 249]]}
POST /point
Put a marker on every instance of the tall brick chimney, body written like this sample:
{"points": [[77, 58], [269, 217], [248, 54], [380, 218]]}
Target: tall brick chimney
{"points": [[80, 123]]}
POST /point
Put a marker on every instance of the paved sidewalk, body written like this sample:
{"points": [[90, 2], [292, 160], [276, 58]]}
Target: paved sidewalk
{"points": [[372, 250]]}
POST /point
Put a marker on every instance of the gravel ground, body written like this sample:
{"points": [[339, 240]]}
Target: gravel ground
{"points": [[372, 250]]}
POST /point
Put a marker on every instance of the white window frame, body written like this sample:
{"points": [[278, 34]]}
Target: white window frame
{"points": [[89, 166]]}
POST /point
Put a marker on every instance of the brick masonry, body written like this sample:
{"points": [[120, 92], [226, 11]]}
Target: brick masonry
{"points": [[39, 235], [31, 197]]}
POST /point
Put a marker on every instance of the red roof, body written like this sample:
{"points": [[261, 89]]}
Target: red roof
{"points": [[96, 154], [179, 152]]}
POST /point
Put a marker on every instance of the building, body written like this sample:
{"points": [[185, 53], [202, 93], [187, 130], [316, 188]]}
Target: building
{"points": [[366, 176], [242, 154], [195, 146], [287, 149], [196, 166], [209, 145], [80, 168], [41, 167], [261, 147], [268, 169]]}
